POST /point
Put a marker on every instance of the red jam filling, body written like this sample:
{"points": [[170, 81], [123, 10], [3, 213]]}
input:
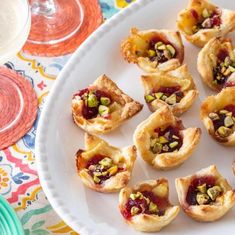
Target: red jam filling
{"points": [[225, 67], [171, 95], [102, 168], [191, 197], [160, 50], [91, 106], [143, 205], [166, 140]]}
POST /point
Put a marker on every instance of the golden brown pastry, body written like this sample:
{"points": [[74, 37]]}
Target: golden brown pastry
{"points": [[218, 116], [202, 21], [146, 206], [102, 106], [216, 64], [162, 140], [154, 50], [102, 167], [174, 88], [206, 195]]}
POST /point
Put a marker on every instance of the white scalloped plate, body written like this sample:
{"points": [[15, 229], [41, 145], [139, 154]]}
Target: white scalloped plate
{"points": [[58, 138]]}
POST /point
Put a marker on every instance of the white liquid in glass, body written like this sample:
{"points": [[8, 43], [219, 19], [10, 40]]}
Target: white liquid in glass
{"points": [[14, 27]]}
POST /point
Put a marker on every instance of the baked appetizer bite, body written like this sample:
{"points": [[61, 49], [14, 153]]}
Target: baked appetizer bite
{"points": [[146, 206], [218, 116], [202, 21], [154, 50], [216, 64], [162, 140], [102, 167], [102, 106], [206, 195], [177, 91]]}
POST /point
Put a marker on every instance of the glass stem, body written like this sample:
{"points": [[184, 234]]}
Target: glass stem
{"points": [[43, 7]]}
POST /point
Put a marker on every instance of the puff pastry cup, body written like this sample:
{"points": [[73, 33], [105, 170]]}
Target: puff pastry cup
{"points": [[146, 206], [175, 88], [102, 106], [202, 21], [216, 64], [206, 195], [218, 116], [162, 140], [102, 167], [154, 50]]}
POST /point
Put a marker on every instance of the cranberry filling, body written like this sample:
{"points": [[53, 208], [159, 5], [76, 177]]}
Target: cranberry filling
{"points": [[158, 53], [92, 111], [143, 205], [168, 140], [102, 168], [193, 190]]}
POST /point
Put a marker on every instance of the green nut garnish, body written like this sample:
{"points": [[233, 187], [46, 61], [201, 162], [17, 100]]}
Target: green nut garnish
{"points": [[163, 140], [224, 131], [202, 198], [158, 44], [171, 99], [134, 210], [173, 144], [105, 101], [153, 207], [175, 137], [96, 179], [214, 192], [213, 116], [228, 121], [157, 148], [205, 13], [223, 111], [92, 101], [232, 69], [113, 170], [103, 110], [149, 98], [106, 162], [171, 49], [158, 95], [161, 47], [151, 53], [202, 188]]}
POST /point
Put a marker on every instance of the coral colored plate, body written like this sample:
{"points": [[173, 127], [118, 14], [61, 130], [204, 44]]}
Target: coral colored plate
{"points": [[58, 138]]}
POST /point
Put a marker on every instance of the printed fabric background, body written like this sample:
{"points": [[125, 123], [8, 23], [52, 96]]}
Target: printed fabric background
{"points": [[19, 182]]}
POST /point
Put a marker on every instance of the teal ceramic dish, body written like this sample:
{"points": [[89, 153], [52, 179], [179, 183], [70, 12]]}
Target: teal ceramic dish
{"points": [[9, 222]]}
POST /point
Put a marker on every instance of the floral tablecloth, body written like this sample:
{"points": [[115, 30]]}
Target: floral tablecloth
{"points": [[19, 182]]}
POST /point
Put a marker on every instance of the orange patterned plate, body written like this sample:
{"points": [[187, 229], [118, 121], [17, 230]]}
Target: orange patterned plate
{"points": [[91, 21], [18, 107]]}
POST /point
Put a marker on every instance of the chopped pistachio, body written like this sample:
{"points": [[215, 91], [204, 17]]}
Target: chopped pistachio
{"points": [[133, 196], [134, 210], [227, 61], [139, 195], [153, 141], [232, 69], [171, 99], [227, 72], [153, 207], [164, 97], [97, 173], [105, 101], [228, 121], [106, 162], [165, 148], [113, 170], [202, 198], [158, 95], [224, 131], [161, 190], [149, 98], [167, 54], [104, 173], [171, 49], [92, 101], [202, 188], [151, 53], [223, 69], [175, 137], [173, 144], [147, 200], [162, 47], [223, 111], [205, 13], [213, 116], [214, 192], [157, 148], [167, 134], [158, 44], [163, 140], [103, 110], [229, 114], [96, 179]]}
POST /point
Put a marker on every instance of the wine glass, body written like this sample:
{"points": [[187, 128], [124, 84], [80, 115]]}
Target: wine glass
{"points": [[15, 21], [54, 21]]}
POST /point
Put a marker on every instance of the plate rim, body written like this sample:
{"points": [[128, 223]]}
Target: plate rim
{"points": [[40, 153]]}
